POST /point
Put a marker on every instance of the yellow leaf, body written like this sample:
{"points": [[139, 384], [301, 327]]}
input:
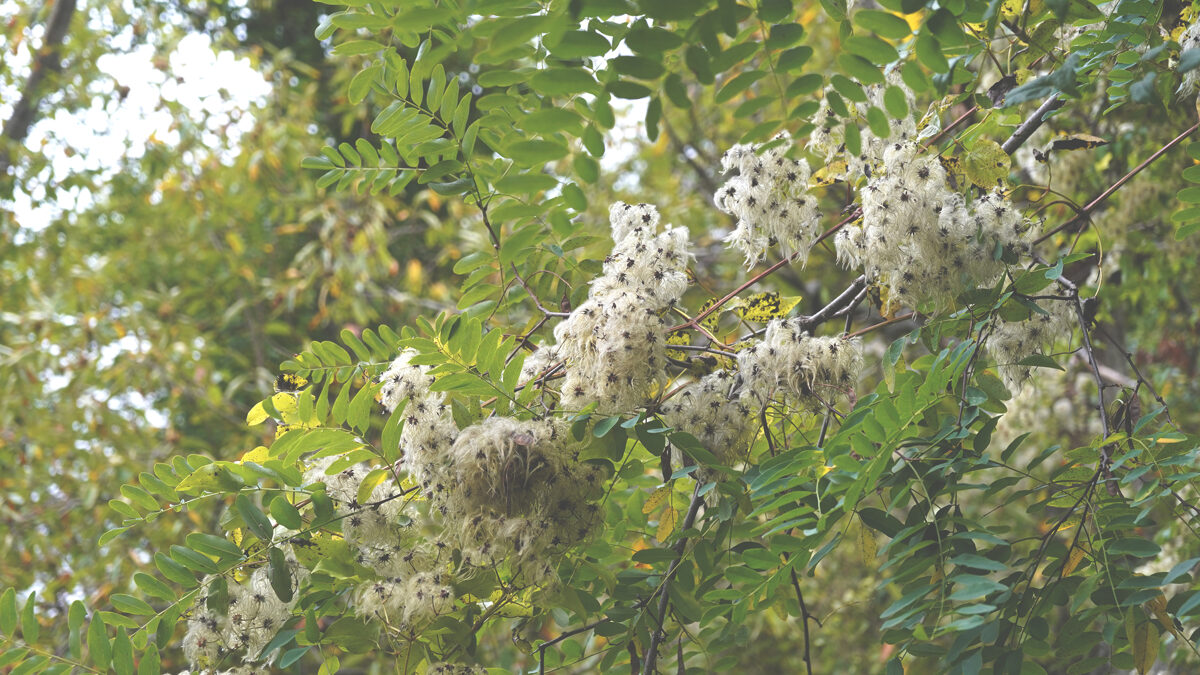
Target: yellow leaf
{"points": [[1158, 606], [666, 524], [828, 174], [763, 307], [1145, 647], [257, 415], [288, 382], [866, 544], [678, 338], [1073, 560], [986, 164], [710, 322], [257, 455], [284, 403], [369, 483], [656, 499]]}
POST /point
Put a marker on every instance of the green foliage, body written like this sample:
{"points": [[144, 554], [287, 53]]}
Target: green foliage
{"points": [[912, 514]]}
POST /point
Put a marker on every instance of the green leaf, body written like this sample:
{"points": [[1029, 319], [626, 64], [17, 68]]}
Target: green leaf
{"points": [[280, 575], [285, 513], [564, 82], [1134, 546], [738, 84], [122, 653], [99, 648], [150, 663], [885, 24], [76, 615], [360, 84], [192, 560], [29, 623], [131, 605], [895, 102], [254, 518], [871, 48], [640, 67], [151, 586], [578, 44], [213, 545], [8, 612], [929, 53]]}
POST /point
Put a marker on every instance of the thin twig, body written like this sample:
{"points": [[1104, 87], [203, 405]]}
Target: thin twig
{"points": [[1091, 206], [664, 598]]}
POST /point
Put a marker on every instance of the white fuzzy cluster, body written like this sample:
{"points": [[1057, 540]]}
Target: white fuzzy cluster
{"points": [[429, 429], [769, 196], [519, 492], [253, 617], [708, 410], [790, 362], [613, 343], [1012, 341], [921, 240], [1190, 39], [506, 489], [407, 601], [828, 138]]}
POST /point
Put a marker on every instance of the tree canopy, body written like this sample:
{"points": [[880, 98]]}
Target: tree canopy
{"points": [[402, 367]]}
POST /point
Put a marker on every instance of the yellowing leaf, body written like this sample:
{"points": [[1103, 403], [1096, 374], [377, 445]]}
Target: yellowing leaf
{"points": [[1145, 647], [369, 483], [1077, 142], [284, 403], [1158, 606], [257, 455], [763, 307], [1073, 560], [986, 164], [678, 338], [828, 174], [289, 382], [666, 524], [656, 499], [866, 544]]}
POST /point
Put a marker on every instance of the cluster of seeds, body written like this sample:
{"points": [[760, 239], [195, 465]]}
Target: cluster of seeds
{"points": [[519, 492], [253, 616], [789, 363], [614, 343], [921, 240], [1013, 341], [828, 138], [770, 198]]}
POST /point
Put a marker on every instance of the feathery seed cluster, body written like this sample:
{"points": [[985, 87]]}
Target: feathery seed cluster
{"points": [[708, 410], [252, 618], [519, 492], [1013, 341], [790, 362], [828, 138], [921, 240], [770, 198], [614, 343]]}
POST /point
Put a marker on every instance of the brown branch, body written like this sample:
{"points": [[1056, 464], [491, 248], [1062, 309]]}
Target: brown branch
{"points": [[47, 61], [1091, 206]]}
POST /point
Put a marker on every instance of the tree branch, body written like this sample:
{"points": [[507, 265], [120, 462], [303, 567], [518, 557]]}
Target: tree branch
{"points": [[1029, 126], [47, 61]]}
